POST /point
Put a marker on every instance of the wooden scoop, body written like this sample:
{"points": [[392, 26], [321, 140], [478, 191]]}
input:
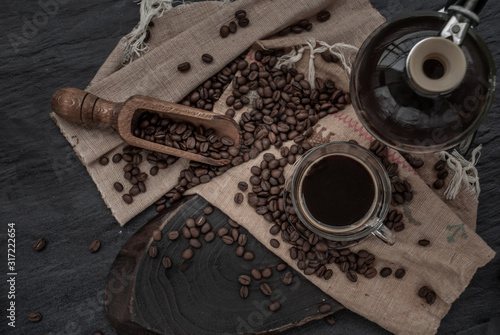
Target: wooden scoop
{"points": [[79, 106]]}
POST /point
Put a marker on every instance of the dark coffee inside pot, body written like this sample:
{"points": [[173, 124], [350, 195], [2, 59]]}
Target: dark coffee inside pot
{"points": [[338, 190]]}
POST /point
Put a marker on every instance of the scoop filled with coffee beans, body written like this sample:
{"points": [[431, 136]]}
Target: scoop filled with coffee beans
{"points": [[185, 131]]}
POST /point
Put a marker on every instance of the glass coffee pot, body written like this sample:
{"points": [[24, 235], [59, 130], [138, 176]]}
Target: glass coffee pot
{"points": [[425, 81]]}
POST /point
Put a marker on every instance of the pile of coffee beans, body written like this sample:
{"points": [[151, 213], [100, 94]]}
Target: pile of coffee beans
{"points": [[442, 173], [415, 163], [427, 294], [232, 27], [393, 221], [184, 136], [297, 28]]}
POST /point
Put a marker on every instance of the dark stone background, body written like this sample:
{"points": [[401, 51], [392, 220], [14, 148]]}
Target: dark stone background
{"points": [[47, 192]]}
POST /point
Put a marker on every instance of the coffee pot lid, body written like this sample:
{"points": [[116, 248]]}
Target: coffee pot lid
{"points": [[418, 91]]}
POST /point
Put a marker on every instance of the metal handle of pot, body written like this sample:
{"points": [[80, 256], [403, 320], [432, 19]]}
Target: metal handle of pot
{"points": [[464, 14]]}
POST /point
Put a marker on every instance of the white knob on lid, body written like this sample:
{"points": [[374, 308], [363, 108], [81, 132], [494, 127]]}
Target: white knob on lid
{"points": [[436, 65]]}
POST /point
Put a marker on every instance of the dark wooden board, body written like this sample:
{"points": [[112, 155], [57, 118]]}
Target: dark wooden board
{"points": [[201, 295]]}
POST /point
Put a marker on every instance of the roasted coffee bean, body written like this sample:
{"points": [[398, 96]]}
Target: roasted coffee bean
{"points": [[153, 251], [190, 223], [209, 237], [248, 255], [240, 14], [328, 274], [222, 231], [400, 226], [274, 243], [195, 243], [244, 292], [324, 308], [330, 320], [207, 58], [440, 165], [186, 233], [438, 184], [267, 272], [385, 272], [208, 210], [39, 244], [34, 317], [173, 235], [117, 158], [104, 160], [244, 280], [243, 22], [242, 239], [281, 267], [227, 239], [200, 220], [352, 276], [274, 306], [224, 31], [157, 235], [238, 198], [430, 298], [233, 27], [400, 273], [266, 289], [232, 223], [371, 273], [323, 16], [442, 174], [424, 242], [243, 186], [195, 232], [187, 254], [256, 274], [422, 292], [127, 198], [166, 262], [205, 228], [95, 246], [275, 229], [184, 67]]}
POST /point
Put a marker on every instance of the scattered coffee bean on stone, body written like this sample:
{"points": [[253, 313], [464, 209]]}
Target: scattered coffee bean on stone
{"points": [[248, 255], [39, 244], [95, 246], [244, 280], [281, 267], [209, 237], [274, 306], [153, 251], [227, 239], [400, 273], [167, 263], [184, 67], [173, 235], [267, 272], [104, 160], [330, 320], [266, 289], [256, 274], [157, 235], [207, 58], [238, 198], [187, 254], [287, 278], [324, 308], [34, 317], [244, 292], [424, 242], [385, 272], [208, 210]]}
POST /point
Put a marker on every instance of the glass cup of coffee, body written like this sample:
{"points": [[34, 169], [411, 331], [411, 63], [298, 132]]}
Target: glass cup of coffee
{"points": [[341, 192]]}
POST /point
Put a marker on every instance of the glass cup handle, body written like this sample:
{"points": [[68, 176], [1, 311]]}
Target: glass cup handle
{"points": [[385, 234]]}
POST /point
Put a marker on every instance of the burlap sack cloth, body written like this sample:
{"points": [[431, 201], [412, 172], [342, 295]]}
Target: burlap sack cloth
{"points": [[447, 266]]}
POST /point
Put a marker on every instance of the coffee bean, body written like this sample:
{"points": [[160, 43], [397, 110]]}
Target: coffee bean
{"points": [[187, 254], [153, 251], [242, 239], [200, 221], [238, 198], [438, 184], [195, 243], [328, 274], [190, 223], [400, 226], [256, 274], [422, 292], [207, 58], [274, 243], [240, 14], [440, 165], [157, 235], [118, 186], [244, 292], [266, 289], [324, 308], [331, 321], [173, 235], [222, 231], [39, 244], [275, 229], [166, 262], [195, 232], [385, 272], [400, 273], [442, 174], [274, 306], [208, 210], [267, 272], [244, 280], [430, 298], [233, 27], [34, 317], [117, 158], [371, 273], [243, 186], [281, 267], [248, 255], [224, 31], [424, 242], [227, 239], [184, 67], [104, 160], [127, 198], [95, 246], [352, 276], [323, 16], [209, 237], [243, 22]]}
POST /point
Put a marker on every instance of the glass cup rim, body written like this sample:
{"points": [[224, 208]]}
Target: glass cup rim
{"points": [[378, 210]]}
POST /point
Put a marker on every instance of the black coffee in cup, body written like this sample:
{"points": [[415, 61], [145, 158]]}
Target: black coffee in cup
{"points": [[338, 190]]}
